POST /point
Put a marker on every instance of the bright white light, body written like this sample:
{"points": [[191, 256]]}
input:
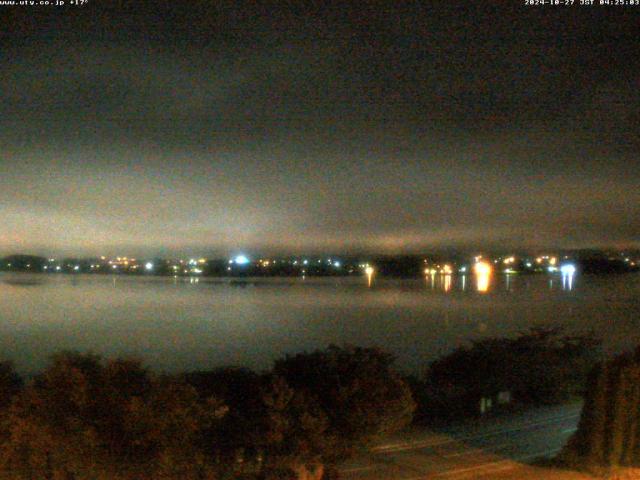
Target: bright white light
{"points": [[148, 266], [58, 268], [336, 264], [552, 269], [241, 260], [568, 269], [482, 268], [463, 269], [76, 268], [369, 271], [305, 262]]}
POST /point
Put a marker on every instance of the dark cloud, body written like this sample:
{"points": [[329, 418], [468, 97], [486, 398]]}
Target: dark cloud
{"points": [[186, 125]]}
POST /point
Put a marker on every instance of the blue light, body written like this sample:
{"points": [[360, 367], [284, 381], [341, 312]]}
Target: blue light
{"points": [[241, 260], [568, 269]]}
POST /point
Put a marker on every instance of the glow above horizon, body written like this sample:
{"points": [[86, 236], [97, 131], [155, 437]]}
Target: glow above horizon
{"points": [[300, 133]]}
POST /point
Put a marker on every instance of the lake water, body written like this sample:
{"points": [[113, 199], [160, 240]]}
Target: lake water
{"points": [[179, 324]]}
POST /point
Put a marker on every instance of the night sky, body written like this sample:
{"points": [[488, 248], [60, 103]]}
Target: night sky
{"points": [[218, 127]]}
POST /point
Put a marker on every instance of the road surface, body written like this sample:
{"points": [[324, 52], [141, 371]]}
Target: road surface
{"points": [[502, 447]]}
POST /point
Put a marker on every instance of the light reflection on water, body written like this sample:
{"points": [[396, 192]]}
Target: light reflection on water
{"points": [[567, 281], [446, 283], [186, 323], [483, 282]]}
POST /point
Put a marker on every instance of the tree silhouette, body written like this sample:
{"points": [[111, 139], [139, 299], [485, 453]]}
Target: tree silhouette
{"points": [[608, 433]]}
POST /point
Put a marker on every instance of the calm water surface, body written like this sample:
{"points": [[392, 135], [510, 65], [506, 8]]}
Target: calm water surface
{"points": [[178, 324]]}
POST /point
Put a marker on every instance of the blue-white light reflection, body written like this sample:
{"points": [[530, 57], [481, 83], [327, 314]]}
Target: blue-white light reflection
{"points": [[568, 271]]}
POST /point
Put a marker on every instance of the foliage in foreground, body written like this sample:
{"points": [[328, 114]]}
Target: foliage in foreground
{"points": [[541, 366], [85, 418], [355, 380], [608, 433]]}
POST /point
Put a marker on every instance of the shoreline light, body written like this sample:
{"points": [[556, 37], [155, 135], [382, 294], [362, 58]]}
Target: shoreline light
{"points": [[241, 260], [482, 268], [369, 272]]}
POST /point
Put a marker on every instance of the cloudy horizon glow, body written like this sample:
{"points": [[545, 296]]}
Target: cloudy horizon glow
{"points": [[196, 128]]}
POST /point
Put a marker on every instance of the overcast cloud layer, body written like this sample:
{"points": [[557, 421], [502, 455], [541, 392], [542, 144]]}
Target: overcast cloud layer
{"points": [[191, 127]]}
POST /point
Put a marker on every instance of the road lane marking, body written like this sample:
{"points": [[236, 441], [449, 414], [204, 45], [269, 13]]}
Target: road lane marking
{"points": [[391, 448]]}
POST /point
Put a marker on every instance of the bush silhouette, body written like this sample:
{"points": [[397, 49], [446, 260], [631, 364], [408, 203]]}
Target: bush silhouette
{"points": [[86, 418]]}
